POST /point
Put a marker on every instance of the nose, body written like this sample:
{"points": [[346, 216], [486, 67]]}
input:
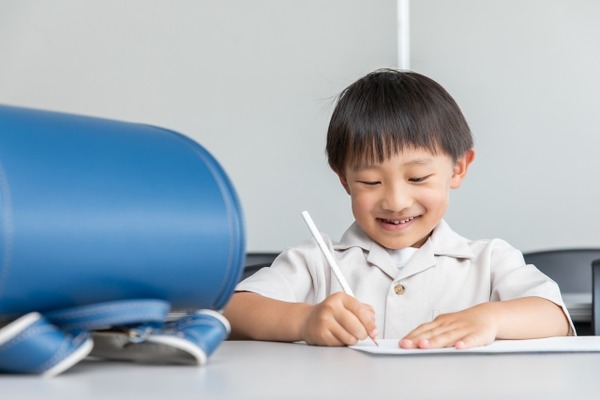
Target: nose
{"points": [[396, 198]]}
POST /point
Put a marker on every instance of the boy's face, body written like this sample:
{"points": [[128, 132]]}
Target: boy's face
{"points": [[399, 201]]}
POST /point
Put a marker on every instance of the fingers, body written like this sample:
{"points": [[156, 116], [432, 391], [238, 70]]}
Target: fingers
{"points": [[436, 338], [460, 330], [431, 335], [340, 320], [364, 314]]}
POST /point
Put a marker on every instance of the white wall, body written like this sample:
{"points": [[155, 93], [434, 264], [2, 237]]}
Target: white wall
{"points": [[252, 81], [527, 76]]}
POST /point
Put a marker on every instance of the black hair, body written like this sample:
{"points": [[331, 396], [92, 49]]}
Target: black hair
{"points": [[386, 112]]}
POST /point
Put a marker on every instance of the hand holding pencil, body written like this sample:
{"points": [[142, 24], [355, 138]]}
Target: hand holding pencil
{"points": [[336, 270]]}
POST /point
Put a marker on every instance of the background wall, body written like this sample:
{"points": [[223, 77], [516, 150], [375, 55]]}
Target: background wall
{"points": [[254, 82], [527, 76]]}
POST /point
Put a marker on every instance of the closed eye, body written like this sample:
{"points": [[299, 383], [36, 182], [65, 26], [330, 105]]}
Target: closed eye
{"points": [[369, 183], [419, 179]]}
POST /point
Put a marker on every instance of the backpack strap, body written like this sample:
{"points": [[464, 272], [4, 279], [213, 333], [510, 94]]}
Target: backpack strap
{"points": [[132, 330], [109, 314], [32, 345]]}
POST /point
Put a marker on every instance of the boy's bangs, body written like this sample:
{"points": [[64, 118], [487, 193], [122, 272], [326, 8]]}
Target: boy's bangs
{"points": [[367, 149]]}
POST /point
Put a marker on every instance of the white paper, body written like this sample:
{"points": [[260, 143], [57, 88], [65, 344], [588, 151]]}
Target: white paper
{"points": [[545, 345]]}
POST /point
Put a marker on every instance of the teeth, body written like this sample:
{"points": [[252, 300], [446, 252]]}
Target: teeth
{"points": [[401, 221]]}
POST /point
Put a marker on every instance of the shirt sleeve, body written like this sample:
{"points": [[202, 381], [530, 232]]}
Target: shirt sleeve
{"points": [[512, 279], [296, 275]]}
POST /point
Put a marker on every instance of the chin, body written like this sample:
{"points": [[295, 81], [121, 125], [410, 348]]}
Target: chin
{"points": [[400, 243], [395, 245]]}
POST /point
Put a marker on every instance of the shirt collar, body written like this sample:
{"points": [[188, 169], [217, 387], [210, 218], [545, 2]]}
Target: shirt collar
{"points": [[442, 242]]}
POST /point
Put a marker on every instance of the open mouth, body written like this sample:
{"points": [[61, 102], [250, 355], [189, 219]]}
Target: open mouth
{"points": [[396, 221]]}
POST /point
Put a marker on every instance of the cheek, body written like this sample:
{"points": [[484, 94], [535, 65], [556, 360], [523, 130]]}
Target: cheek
{"points": [[434, 198], [361, 202]]}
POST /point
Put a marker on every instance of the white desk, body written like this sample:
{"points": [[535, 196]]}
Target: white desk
{"points": [[264, 371]]}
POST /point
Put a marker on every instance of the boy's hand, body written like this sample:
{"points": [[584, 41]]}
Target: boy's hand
{"points": [[337, 321], [475, 326]]}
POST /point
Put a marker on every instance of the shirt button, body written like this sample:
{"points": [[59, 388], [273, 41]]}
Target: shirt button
{"points": [[399, 289]]}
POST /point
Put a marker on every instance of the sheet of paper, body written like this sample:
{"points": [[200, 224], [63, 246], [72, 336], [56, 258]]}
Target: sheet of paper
{"points": [[546, 345]]}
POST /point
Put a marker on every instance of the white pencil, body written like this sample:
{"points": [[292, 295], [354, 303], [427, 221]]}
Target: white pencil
{"points": [[329, 257]]}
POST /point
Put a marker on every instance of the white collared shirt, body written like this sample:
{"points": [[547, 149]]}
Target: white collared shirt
{"points": [[447, 274], [401, 257]]}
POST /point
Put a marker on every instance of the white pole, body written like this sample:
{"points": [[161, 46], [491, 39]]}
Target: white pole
{"points": [[403, 23]]}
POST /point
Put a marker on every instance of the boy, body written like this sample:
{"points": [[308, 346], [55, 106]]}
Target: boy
{"points": [[398, 143]]}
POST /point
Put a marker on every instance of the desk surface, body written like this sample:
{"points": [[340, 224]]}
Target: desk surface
{"points": [[264, 370]]}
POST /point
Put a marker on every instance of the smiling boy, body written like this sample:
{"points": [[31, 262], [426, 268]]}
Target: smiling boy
{"points": [[399, 143]]}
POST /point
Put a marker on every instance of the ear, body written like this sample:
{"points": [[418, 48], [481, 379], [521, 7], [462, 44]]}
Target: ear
{"points": [[460, 168], [344, 183]]}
